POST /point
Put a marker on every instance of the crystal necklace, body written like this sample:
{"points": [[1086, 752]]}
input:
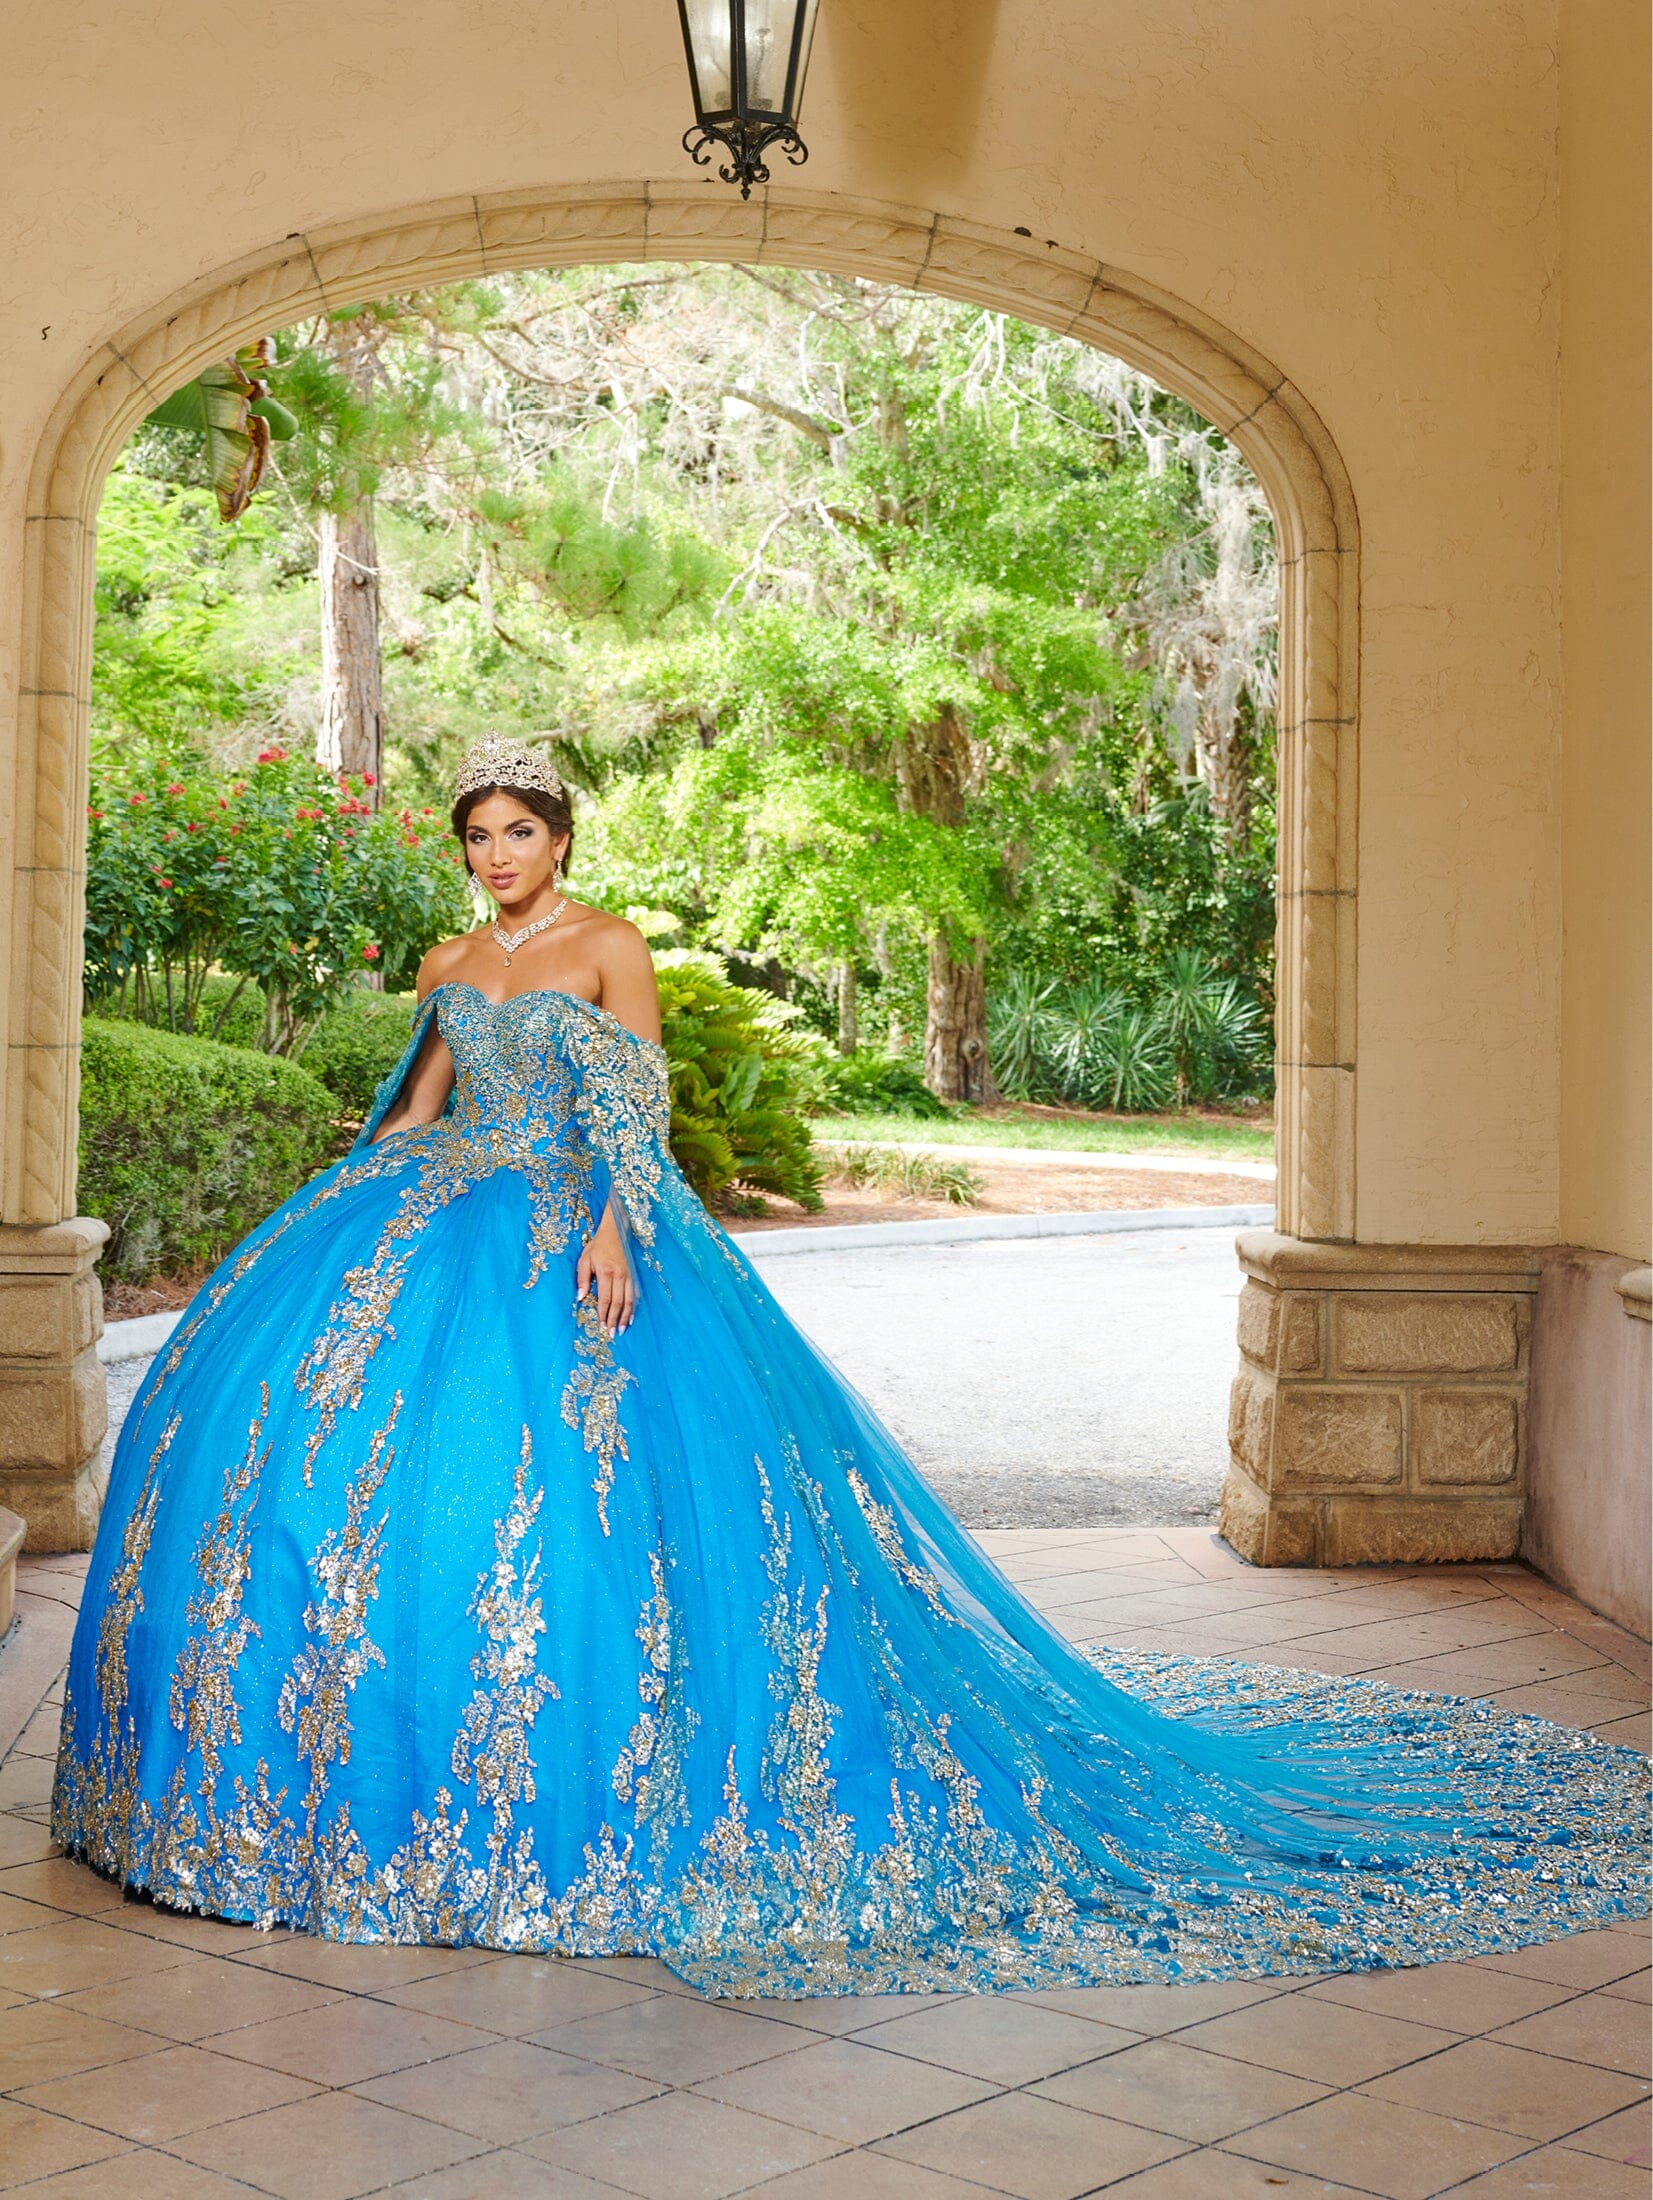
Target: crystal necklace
{"points": [[511, 941]]}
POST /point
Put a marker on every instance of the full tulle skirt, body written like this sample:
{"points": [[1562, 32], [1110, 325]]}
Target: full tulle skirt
{"points": [[424, 1611], [659, 1644]]}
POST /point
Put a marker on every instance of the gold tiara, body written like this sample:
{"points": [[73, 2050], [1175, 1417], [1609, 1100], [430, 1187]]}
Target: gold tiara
{"points": [[497, 761]]}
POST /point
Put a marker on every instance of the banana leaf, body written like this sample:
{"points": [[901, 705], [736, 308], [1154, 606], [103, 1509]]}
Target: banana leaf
{"points": [[230, 408]]}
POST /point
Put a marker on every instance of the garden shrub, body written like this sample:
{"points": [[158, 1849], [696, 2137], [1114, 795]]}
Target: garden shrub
{"points": [[185, 1144], [869, 1082], [357, 1044], [743, 1075], [1196, 1037], [230, 1010], [351, 1049], [283, 876]]}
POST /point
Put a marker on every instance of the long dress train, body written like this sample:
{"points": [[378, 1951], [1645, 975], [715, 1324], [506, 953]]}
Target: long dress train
{"points": [[422, 1610]]}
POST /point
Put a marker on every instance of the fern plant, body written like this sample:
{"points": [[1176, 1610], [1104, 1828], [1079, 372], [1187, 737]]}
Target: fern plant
{"points": [[742, 1076]]}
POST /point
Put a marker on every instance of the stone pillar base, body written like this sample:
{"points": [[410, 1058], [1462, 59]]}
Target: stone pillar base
{"points": [[11, 1542], [53, 1402], [1379, 1414]]}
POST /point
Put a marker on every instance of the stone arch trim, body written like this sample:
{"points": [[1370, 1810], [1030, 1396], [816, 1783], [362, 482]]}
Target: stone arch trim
{"points": [[1234, 386]]}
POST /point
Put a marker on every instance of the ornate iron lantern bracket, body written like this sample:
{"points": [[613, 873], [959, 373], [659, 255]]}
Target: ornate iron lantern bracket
{"points": [[747, 60]]}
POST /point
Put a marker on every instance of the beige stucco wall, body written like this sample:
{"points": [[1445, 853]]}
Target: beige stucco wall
{"points": [[1368, 192], [1588, 1514], [1606, 254]]}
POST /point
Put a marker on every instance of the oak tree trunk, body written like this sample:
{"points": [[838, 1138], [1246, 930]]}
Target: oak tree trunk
{"points": [[955, 1027], [350, 737], [849, 1033], [934, 766]]}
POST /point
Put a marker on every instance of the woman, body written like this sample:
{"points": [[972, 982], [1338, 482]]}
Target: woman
{"points": [[490, 1560]]}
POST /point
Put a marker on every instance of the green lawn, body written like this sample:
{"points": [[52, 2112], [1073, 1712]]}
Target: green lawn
{"points": [[1074, 1134]]}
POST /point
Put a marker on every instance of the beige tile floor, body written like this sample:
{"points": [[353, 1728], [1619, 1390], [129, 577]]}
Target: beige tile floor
{"points": [[146, 2056]]}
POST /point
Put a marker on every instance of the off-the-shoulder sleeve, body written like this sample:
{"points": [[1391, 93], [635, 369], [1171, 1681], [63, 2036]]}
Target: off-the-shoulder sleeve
{"points": [[385, 1098], [624, 1104]]}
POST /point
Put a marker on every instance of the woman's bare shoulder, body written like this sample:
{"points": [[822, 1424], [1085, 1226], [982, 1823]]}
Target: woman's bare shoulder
{"points": [[625, 971], [607, 934]]}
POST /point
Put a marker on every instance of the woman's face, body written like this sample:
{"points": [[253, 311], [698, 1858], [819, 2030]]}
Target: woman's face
{"points": [[513, 852]]}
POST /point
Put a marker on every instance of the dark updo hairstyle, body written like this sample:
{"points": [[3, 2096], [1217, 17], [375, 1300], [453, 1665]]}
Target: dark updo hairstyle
{"points": [[554, 810]]}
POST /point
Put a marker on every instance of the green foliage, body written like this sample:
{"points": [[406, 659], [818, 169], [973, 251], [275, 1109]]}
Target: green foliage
{"points": [[177, 647], [742, 1074], [357, 1044], [1129, 1064], [230, 1010], [743, 540], [1219, 1038], [355, 419], [185, 1145], [228, 407], [967, 541], [1021, 1029], [351, 1049], [869, 1082], [902, 1175], [1195, 1037], [283, 879]]}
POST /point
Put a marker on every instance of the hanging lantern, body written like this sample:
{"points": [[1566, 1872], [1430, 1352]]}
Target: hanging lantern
{"points": [[746, 70]]}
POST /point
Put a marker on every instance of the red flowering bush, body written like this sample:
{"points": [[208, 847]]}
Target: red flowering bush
{"points": [[287, 880]]}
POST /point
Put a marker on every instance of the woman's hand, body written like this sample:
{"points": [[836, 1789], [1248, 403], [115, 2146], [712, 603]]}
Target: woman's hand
{"points": [[603, 1270]]}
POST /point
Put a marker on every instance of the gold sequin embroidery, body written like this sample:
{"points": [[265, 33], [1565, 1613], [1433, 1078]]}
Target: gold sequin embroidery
{"points": [[591, 1399]]}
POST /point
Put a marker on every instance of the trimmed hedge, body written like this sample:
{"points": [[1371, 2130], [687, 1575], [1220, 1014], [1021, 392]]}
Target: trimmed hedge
{"points": [[186, 1145], [230, 1010], [353, 1047], [357, 1044]]}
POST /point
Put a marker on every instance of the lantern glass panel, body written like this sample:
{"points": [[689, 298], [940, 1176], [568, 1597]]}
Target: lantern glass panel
{"points": [[769, 29], [708, 22]]}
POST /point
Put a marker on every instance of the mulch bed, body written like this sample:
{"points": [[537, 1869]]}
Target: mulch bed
{"points": [[1008, 1189]]}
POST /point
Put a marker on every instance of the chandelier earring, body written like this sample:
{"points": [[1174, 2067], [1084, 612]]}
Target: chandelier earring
{"points": [[479, 899]]}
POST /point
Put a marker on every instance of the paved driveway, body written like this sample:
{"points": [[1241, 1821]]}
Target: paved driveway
{"points": [[1050, 1382]]}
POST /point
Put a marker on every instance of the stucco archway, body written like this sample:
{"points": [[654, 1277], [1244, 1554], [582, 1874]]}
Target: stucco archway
{"points": [[1237, 389]]}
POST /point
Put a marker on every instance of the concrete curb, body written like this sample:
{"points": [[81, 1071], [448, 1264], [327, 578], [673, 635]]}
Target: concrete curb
{"points": [[1105, 1222], [146, 1333], [134, 1339]]}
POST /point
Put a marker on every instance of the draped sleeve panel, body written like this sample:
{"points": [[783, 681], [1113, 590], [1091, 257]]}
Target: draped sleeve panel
{"points": [[424, 1024], [624, 1107]]}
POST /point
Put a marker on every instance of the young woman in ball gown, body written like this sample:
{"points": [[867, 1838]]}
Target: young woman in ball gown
{"points": [[490, 1560]]}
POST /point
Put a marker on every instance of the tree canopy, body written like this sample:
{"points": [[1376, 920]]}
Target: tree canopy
{"points": [[893, 645]]}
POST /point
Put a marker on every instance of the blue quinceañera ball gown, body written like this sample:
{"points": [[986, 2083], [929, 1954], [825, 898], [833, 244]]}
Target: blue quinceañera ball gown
{"points": [[423, 1610]]}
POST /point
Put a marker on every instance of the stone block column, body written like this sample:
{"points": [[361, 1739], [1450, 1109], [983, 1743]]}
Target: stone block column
{"points": [[1379, 1414], [53, 1403]]}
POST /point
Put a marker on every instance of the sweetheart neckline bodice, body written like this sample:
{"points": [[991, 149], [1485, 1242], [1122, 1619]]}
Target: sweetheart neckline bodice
{"points": [[539, 993]]}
